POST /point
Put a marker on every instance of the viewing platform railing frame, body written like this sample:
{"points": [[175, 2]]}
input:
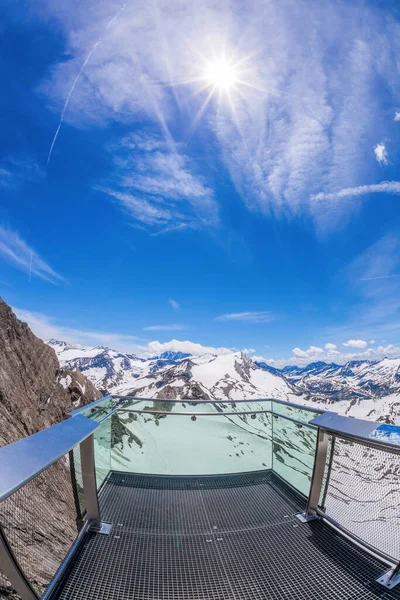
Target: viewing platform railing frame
{"points": [[27, 458]]}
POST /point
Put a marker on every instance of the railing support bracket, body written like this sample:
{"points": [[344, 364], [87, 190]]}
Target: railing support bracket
{"points": [[390, 579], [304, 518], [104, 529]]}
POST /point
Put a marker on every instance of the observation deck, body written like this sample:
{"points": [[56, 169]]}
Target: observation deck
{"points": [[141, 499]]}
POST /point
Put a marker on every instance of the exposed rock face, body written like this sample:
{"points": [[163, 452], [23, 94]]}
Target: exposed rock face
{"points": [[34, 392], [40, 519]]}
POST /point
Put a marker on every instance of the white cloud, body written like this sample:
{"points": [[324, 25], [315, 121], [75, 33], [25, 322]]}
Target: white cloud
{"points": [[173, 327], [311, 351], [251, 317], [372, 342], [397, 115], [330, 347], [16, 251], [386, 187], [269, 361], [290, 135], [356, 344], [187, 347], [381, 153], [313, 354], [174, 304]]}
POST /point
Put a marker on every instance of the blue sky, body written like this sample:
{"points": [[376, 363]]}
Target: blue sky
{"points": [[147, 208]]}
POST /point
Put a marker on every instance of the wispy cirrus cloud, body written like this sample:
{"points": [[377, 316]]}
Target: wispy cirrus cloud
{"points": [[372, 279], [386, 187], [16, 251], [172, 327], [47, 327], [15, 171], [158, 186], [305, 127], [249, 317]]}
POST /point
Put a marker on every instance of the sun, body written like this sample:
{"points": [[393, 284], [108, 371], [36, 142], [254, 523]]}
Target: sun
{"points": [[221, 75]]}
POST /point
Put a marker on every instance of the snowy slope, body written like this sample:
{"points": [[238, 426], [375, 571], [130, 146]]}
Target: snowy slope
{"points": [[364, 389], [231, 376]]}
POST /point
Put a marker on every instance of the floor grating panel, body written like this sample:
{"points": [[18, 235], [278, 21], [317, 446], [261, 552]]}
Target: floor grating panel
{"points": [[214, 538]]}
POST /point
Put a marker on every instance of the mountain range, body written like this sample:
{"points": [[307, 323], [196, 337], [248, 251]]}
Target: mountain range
{"points": [[364, 389]]}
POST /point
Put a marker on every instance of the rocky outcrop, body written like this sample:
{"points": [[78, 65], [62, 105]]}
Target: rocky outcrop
{"points": [[34, 392], [40, 519]]}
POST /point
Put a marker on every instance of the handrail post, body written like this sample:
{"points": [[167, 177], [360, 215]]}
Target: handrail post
{"points": [[317, 480], [90, 487], [12, 570], [89, 482]]}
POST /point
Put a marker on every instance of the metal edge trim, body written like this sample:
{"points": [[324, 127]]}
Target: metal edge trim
{"points": [[55, 582], [375, 552], [205, 476]]}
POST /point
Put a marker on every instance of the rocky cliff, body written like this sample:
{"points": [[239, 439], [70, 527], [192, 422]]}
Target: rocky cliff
{"points": [[40, 519]]}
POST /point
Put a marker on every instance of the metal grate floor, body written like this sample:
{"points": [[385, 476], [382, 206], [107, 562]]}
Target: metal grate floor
{"points": [[215, 538]]}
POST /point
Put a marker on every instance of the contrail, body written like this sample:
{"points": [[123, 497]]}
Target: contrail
{"points": [[93, 49], [381, 277]]}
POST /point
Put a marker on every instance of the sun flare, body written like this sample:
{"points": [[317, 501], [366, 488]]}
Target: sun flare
{"points": [[221, 75]]}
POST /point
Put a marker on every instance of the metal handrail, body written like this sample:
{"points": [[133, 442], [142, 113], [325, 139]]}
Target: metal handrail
{"points": [[22, 461], [227, 401]]}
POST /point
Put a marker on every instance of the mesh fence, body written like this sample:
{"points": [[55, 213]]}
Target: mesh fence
{"points": [[363, 494], [6, 589], [39, 521]]}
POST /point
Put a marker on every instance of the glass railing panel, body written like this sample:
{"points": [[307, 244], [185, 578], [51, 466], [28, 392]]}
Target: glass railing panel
{"points": [[190, 445], [299, 413], [293, 452], [363, 494], [102, 451], [40, 523]]}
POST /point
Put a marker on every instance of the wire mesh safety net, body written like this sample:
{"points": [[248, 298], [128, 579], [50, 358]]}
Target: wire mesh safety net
{"points": [[363, 494], [40, 524]]}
